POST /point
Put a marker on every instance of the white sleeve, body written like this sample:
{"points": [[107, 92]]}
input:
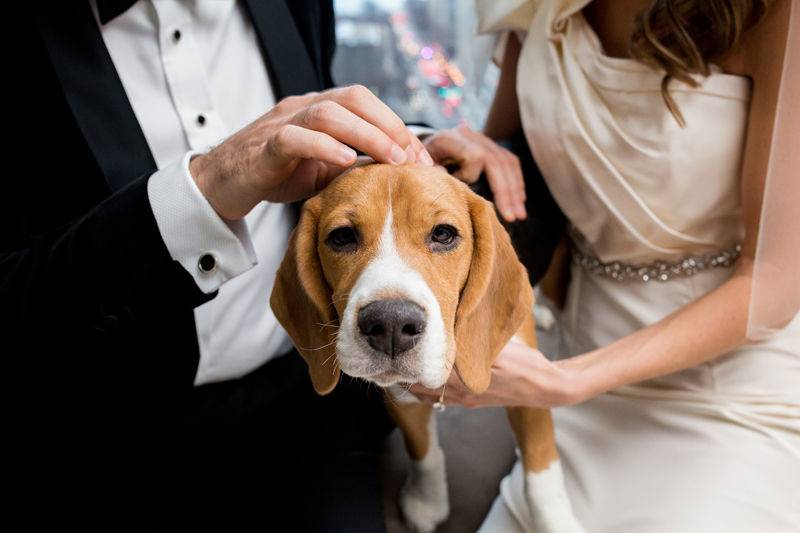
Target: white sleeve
{"points": [[419, 131], [192, 230]]}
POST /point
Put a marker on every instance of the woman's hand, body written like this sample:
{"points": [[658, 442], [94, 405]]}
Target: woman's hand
{"points": [[521, 376], [474, 153]]}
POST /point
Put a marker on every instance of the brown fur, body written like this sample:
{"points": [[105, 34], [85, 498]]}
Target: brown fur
{"points": [[412, 419], [533, 429], [495, 301], [301, 301], [481, 286]]}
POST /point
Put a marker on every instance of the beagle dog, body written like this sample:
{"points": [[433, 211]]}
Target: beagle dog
{"points": [[397, 275]]}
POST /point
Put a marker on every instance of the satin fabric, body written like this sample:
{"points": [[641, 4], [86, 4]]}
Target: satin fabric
{"points": [[711, 448]]}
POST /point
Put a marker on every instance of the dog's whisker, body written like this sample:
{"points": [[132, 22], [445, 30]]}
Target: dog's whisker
{"points": [[325, 362], [329, 324], [319, 348]]}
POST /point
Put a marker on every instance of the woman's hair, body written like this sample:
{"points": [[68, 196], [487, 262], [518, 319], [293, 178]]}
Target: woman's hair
{"points": [[683, 36]]}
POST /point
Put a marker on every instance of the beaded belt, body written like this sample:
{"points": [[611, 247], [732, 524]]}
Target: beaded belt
{"points": [[658, 270]]}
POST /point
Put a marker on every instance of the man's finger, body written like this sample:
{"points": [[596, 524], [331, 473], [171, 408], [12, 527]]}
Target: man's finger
{"points": [[362, 102], [331, 118], [292, 142], [423, 157]]}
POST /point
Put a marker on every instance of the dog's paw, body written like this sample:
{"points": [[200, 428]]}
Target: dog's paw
{"points": [[424, 502], [548, 504], [545, 319]]}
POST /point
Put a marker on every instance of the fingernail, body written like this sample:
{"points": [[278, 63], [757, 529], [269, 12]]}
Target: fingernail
{"points": [[508, 215], [346, 155], [425, 157], [411, 155], [398, 156]]}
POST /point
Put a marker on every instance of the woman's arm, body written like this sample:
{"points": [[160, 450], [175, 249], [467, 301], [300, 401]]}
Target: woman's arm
{"points": [[696, 333], [503, 120]]}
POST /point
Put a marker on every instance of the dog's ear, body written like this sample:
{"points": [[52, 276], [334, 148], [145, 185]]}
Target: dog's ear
{"points": [[301, 300], [494, 300]]}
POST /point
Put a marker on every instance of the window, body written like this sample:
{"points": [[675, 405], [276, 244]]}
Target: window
{"points": [[421, 57]]}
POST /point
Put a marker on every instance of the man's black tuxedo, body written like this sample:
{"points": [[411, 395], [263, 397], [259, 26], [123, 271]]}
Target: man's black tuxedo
{"points": [[98, 334], [80, 247]]}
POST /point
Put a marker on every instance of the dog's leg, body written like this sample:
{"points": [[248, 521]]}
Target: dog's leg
{"points": [[549, 506], [424, 500]]}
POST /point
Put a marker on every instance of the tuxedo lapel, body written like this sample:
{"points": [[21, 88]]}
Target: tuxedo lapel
{"points": [[291, 69], [97, 98], [94, 91]]}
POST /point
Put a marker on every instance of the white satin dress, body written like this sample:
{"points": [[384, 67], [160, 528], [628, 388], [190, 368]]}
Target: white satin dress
{"points": [[715, 448]]}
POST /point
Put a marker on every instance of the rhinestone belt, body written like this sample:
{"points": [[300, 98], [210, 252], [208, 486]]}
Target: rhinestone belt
{"points": [[658, 270]]}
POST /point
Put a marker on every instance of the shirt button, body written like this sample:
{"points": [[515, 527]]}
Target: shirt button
{"points": [[207, 263], [201, 119], [176, 35]]}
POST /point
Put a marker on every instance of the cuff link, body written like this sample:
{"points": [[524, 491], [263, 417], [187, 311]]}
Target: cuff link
{"points": [[207, 263]]}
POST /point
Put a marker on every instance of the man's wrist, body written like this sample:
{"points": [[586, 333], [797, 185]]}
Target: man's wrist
{"points": [[227, 203], [200, 170], [192, 230]]}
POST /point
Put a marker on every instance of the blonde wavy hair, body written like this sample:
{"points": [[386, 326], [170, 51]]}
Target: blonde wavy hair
{"points": [[683, 37]]}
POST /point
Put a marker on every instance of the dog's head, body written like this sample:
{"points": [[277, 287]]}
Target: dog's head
{"points": [[395, 274]]}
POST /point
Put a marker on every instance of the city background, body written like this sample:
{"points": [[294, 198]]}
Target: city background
{"points": [[421, 57]]}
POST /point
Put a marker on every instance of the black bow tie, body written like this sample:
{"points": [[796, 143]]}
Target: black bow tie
{"points": [[109, 9]]}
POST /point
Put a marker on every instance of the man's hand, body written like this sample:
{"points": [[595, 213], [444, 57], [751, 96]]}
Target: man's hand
{"points": [[474, 153], [298, 147]]}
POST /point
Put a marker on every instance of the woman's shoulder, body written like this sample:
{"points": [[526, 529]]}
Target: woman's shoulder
{"points": [[505, 15]]}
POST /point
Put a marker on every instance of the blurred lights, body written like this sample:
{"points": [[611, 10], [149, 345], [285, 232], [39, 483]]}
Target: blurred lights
{"points": [[431, 61]]}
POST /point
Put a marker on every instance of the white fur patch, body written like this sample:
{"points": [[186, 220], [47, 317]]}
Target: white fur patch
{"points": [[388, 273], [400, 395], [424, 501], [549, 506], [545, 318]]}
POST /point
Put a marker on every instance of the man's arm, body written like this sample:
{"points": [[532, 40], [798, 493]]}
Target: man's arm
{"points": [[116, 253], [110, 255]]}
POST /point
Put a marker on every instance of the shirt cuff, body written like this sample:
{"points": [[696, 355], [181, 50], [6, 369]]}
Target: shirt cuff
{"points": [[211, 249], [421, 131]]}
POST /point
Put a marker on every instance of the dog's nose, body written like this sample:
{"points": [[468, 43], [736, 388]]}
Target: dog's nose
{"points": [[391, 326]]}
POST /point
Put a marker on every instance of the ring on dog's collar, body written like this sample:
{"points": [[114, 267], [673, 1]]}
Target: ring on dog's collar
{"points": [[439, 405]]}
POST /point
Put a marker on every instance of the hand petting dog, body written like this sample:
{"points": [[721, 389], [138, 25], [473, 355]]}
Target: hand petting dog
{"points": [[299, 146]]}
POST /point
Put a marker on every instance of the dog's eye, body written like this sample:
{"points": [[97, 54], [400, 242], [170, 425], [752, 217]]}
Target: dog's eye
{"points": [[344, 239], [443, 237]]}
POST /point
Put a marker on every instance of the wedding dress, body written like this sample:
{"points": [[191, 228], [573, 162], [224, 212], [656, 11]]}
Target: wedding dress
{"points": [[715, 448]]}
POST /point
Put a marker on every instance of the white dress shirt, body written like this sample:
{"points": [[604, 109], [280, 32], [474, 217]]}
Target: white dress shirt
{"points": [[194, 74]]}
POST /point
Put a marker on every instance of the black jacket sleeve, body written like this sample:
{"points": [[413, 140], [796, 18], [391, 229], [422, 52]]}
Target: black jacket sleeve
{"points": [[109, 264], [110, 257]]}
